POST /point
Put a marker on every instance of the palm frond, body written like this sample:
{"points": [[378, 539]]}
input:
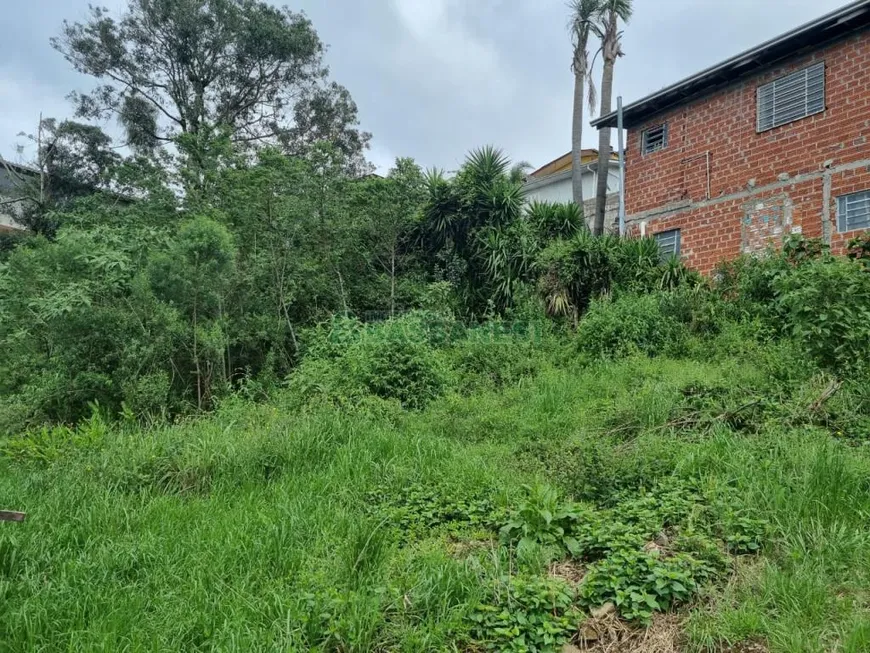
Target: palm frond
{"points": [[505, 203], [440, 212], [583, 16], [518, 172], [486, 163], [591, 92], [583, 22], [622, 8]]}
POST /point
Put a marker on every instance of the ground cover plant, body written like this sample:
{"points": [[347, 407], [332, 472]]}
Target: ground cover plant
{"points": [[720, 478], [254, 398]]}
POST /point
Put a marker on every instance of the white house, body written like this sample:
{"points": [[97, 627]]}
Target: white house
{"points": [[10, 205], [553, 183]]}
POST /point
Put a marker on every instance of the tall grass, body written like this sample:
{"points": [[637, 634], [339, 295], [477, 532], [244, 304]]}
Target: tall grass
{"points": [[259, 528]]}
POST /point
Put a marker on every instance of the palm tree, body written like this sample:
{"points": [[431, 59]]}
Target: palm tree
{"points": [[610, 13], [582, 24], [472, 218]]}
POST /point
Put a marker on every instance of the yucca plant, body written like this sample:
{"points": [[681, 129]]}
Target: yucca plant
{"points": [[674, 273], [473, 216], [552, 220], [585, 267]]}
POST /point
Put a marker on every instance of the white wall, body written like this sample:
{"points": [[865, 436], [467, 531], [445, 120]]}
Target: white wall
{"points": [[7, 192], [8, 212], [560, 188], [560, 191], [6, 220]]}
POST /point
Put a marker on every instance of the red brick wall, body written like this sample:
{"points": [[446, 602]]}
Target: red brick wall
{"points": [[762, 186]]}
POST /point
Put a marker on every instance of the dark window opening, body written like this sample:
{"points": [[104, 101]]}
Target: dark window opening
{"points": [[655, 139]]}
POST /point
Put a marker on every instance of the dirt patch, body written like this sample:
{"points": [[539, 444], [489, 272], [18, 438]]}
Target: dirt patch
{"points": [[569, 571], [609, 634]]}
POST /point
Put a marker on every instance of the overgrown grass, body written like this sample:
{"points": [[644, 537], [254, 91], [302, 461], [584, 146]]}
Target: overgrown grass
{"points": [[376, 528]]}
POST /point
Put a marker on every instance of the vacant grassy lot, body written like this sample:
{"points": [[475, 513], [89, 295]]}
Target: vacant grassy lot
{"points": [[726, 491]]}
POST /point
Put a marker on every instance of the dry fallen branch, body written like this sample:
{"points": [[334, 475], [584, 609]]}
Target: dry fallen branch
{"points": [[830, 390], [688, 421]]}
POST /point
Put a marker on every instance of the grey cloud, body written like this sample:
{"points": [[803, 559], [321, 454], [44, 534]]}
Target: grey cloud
{"points": [[434, 78]]}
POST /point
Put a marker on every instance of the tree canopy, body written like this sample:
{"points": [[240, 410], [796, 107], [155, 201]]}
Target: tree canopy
{"points": [[173, 67]]}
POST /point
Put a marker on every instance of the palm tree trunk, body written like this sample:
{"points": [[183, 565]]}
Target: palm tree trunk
{"points": [[610, 51], [577, 139], [604, 149]]}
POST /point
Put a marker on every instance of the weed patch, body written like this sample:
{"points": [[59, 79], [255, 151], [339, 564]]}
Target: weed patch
{"points": [[414, 511], [526, 614]]}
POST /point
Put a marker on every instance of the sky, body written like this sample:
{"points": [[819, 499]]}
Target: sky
{"points": [[436, 78]]}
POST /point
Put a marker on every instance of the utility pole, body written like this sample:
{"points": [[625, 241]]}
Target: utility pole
{"points": [[621, 166]]}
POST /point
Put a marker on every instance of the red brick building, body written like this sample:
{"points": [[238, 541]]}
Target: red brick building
{"points": [[771, 142]]}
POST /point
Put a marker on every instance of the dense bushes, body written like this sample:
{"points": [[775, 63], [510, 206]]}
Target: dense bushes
{"points": [[499, 354], [415, 358], [165, 305], [631, 324], [577, 270], [397, 362], [826, 306], [802, 294], [394, 360], [161, 307]]}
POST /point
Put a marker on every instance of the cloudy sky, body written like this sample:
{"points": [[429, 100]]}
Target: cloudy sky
{"points": [[434, 78]]}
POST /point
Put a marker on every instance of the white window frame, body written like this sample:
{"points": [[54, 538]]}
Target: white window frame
{"points": [[678, 245], [861, 199]]}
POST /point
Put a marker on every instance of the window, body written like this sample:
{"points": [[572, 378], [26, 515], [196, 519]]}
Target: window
{"points": [[792, 97], [655, 139], [669, 243], [853, 211]]}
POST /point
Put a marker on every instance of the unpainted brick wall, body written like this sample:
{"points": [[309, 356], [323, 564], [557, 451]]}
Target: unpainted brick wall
{"points": [[668, 189]]}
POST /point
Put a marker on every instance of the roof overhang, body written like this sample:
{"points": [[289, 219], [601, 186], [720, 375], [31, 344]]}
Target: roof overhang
{"points": [[828, 28]]}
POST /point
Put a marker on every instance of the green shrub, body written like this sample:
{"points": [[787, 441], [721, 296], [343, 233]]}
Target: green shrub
{"points": [[859, 248], [49, 444], [628, 325], [748, 283], [582, 268], [701, 311], [393, 360], [544, 519], [826, 307], [674, 274], [797, 249], [414, 510], [498, 355], [553, 220], [591, 470]]}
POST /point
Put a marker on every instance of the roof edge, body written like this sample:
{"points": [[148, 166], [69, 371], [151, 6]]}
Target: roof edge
{"points": [[837, 17], [536, 182]]}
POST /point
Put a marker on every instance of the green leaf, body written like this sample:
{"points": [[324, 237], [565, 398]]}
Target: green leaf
{"points": [[573, 546]]}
